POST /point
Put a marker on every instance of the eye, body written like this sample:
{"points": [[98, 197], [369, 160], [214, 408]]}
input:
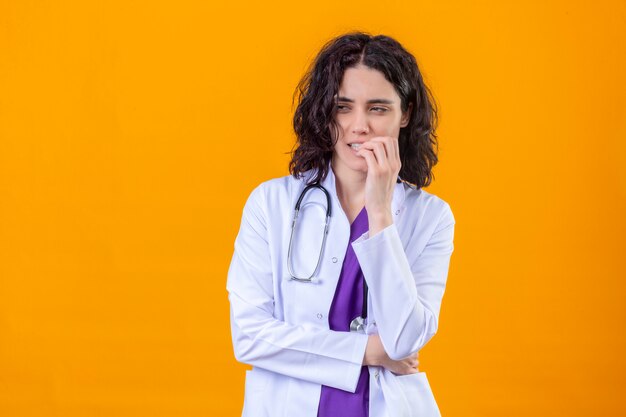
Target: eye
{"points": [[379, 109], [341, 107]]}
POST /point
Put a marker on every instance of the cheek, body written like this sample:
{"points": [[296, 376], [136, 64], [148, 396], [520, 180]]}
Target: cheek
{"points": [[342, 126], [390, 128], [392, 124], [339, 130]]}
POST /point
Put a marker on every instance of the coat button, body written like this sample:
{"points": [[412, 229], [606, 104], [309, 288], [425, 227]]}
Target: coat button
{"points": [[376, 374], [319, 316], [397, 212], [334, 260]]}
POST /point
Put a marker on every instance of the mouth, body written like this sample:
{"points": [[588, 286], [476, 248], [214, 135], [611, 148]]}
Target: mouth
{"points": [[355, 146]]}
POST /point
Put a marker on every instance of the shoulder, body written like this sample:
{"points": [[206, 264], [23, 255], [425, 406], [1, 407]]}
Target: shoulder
{"points": [[278, 184], [274, 189], [429, 207]]}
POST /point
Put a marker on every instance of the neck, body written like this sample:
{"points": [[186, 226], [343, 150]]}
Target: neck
{"points": [[350, 185]]}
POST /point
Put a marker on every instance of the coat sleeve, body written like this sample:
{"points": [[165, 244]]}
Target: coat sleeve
{"points": [[306, 352], [406, 290]]}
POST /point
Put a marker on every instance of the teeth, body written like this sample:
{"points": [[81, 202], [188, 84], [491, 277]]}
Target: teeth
{"points": [[355, 145]]}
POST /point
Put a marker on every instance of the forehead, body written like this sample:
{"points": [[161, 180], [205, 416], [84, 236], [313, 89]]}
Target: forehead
{"points": [[363, 82]]}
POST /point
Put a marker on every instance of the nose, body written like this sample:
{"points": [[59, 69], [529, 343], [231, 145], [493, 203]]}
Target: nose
{"points": [[360, 123]]}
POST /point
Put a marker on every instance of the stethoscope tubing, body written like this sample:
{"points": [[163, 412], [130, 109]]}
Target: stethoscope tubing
{"points": [[326, 225], [293, 227]]}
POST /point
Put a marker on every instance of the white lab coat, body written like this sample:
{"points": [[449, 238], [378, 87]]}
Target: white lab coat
{"points": [[280, 326]]}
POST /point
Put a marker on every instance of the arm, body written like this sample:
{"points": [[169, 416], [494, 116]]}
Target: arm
{"points": [[314, 354], [406, 291]]}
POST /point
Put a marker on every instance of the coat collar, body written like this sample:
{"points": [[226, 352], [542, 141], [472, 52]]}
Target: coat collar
{"points": [[330, 184]]}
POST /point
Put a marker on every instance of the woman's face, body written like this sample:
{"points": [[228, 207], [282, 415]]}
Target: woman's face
{"points": [[367, 106]]}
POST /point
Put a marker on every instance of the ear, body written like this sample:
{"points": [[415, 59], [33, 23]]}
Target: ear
{"points": [[406, 116]]}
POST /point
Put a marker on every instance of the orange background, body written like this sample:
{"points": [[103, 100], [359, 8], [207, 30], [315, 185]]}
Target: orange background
{"points": [[131, 134]]}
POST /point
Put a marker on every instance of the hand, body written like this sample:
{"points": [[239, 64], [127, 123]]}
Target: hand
{"points": [[382, 155], [375, 355]]}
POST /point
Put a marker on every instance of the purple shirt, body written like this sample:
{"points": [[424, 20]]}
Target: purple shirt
{"points": [[347, 304]]}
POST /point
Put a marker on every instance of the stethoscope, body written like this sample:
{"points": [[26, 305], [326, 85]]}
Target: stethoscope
{"points": [[358, 323]]}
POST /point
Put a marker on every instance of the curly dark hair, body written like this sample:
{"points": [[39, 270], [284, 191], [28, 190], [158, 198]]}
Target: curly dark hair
{"points": [[314, 115]]}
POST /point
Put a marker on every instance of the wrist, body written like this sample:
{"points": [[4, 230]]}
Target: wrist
{"points": [[378, 222], [372, 355], [367, 358]]}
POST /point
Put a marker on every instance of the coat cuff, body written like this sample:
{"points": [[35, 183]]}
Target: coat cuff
{"points": [[366, 243], [358, 353], [386, 245]]}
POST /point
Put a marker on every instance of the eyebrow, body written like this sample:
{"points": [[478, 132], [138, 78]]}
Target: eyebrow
{"points": [[372, 101]]}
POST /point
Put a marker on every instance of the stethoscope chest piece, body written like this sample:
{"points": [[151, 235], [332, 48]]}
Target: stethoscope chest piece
{"points": [[358, 325]]}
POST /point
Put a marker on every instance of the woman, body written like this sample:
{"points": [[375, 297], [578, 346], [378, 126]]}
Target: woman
{"points": [[365, 127]]}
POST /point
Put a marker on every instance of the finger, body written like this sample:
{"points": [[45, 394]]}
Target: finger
{"points": [[407, 363], [409, 371], [392, 151], [387, 145], [379, 151], [370, 160], [396, 153], [381, 154]]}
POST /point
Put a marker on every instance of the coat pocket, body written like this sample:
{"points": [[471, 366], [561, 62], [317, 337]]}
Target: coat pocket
{"points": [[419, 396]]}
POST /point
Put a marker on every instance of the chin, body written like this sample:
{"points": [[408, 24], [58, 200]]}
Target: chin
{"points": [[359, 166], [354, 163]]}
